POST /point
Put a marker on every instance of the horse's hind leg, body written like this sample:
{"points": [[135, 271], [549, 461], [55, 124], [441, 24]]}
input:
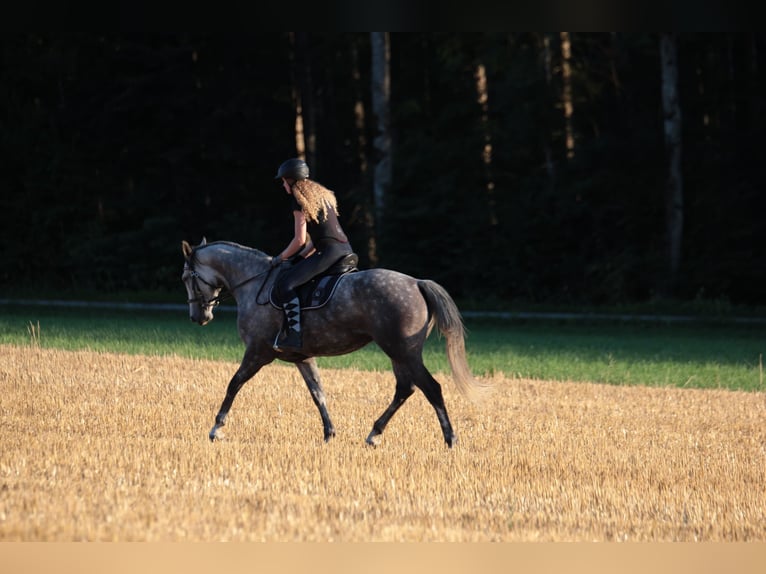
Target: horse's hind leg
{"points": [[410, 375], [310, 373], [404, 389], [433, 392]]}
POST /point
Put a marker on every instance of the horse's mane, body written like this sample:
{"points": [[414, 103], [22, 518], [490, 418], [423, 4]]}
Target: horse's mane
{"points": [[245, 248]]}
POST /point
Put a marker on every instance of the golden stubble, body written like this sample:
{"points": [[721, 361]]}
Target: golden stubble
{"points": [[108, 447]]}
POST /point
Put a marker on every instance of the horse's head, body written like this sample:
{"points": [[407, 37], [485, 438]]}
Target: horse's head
{"points": [[202, 285]]}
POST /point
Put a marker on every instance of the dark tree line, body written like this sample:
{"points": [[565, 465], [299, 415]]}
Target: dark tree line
{"points": [[524, 166]]}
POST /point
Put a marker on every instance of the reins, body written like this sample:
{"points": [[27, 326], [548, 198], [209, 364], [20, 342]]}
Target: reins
{"points": [[229, 291]]}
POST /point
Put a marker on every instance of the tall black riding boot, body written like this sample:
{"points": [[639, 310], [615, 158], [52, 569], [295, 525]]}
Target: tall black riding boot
{"points": [[292, 340]]}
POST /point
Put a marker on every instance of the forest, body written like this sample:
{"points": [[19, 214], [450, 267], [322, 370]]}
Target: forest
{"points": [[541, 167]]}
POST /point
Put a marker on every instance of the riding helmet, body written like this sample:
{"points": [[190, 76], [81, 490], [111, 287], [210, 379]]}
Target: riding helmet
{"points": [[294, 168]]}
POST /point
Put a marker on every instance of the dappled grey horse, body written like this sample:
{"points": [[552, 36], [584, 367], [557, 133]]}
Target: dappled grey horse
{"points": [[394, 310]]}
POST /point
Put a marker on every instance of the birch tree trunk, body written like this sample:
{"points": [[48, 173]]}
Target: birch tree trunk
{"points": [[381, 101], [674, 198]]}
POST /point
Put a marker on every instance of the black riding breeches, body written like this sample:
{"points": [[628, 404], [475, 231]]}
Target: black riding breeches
{"points": [[327, 253]]}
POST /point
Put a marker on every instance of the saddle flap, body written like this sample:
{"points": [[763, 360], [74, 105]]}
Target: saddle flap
{"points": [[314, 294]]}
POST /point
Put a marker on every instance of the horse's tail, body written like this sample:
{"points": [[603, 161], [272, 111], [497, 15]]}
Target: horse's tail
{"points": [[445, 315]]}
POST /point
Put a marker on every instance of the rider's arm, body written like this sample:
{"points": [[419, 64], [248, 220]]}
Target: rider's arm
{"points": [[308, 249], [300, 234]]}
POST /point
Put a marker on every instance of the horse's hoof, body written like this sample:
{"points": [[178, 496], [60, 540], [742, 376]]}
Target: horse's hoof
{"points": [[373, 440], [215, 434]]}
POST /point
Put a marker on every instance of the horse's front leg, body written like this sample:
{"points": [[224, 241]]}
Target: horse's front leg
{"points": [[310, 373], [251, 364]]}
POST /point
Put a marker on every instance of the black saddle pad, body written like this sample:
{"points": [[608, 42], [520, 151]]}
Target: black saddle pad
{"points": [[314, 294]]}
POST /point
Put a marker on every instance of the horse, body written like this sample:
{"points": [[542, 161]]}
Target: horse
{"points": [[393, 309]]}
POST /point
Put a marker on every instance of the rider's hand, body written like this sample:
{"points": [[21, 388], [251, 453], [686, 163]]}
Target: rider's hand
{"points": [[276, 261]]}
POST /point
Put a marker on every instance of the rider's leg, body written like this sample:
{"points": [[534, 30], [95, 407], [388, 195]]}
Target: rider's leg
{"points": [[293, 339], [289, 281], [290, 337]]}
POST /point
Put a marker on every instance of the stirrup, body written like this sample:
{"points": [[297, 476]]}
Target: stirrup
{"points": [[291, 341], [275, 345]]}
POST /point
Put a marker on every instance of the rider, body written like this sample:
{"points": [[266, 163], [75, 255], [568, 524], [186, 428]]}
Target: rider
{"points": [[318, 242]]}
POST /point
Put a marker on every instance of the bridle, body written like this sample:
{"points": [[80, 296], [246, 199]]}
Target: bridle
{"points": [[198, 298], [222, 296]]}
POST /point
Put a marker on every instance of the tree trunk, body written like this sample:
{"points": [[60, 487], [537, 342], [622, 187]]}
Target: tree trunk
{"points": [[306, 97], [300, 139], [482, 97], [566, 95], [755, 100], [550, 162], [360, 123], [381, 101], [674, 206]]}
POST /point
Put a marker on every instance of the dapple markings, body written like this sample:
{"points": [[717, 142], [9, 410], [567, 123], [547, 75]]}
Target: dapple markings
{"points": [[393, 309]]}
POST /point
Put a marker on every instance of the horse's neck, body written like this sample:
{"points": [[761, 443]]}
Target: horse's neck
{"points": [[235, 265]]}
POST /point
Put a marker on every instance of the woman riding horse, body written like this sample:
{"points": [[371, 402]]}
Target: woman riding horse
{"points": [[318, 242]]}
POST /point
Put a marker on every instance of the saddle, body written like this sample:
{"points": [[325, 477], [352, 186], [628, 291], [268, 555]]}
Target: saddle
{"points": [[318, 291]]}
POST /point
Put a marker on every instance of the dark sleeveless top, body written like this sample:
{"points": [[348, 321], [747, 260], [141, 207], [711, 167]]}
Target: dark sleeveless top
{"points": [[328, 226]]}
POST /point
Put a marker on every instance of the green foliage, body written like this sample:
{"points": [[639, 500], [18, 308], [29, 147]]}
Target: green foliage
{"points": [[116, 147], [679, 356], [720, 356]]}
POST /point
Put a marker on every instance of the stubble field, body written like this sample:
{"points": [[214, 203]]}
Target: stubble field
{"points": [[105, 447]]}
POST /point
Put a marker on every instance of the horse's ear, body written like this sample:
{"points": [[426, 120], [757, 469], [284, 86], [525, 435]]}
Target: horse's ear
{"points": [[204, 240], [187, 249]]}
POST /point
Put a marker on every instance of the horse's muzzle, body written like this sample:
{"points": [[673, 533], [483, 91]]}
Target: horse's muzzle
{"points": [[200, 317]]}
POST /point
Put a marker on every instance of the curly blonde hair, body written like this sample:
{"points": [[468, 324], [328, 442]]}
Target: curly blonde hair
{"points": [[312, 196]]}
